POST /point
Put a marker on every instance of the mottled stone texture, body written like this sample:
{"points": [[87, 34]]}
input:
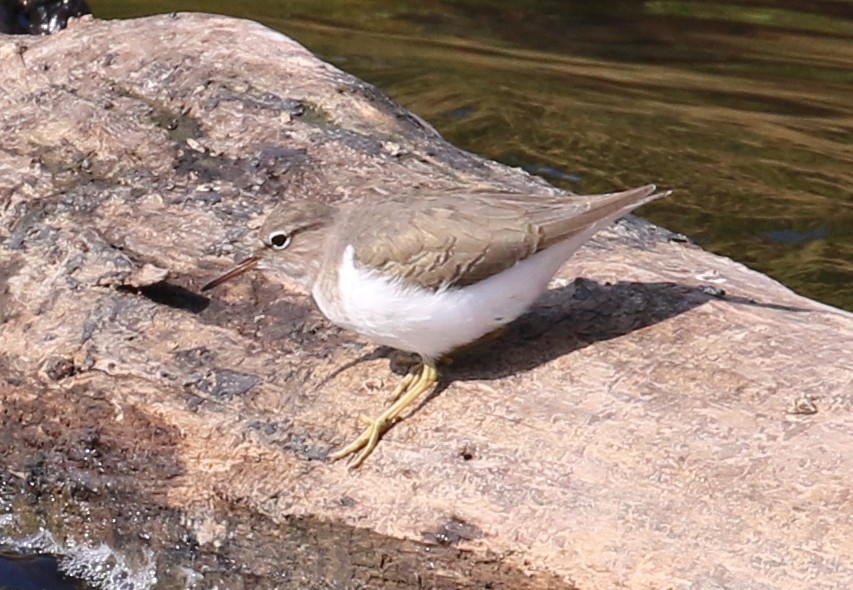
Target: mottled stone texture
{"points": [[663, 418]]}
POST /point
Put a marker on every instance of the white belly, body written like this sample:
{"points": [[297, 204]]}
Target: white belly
{"points": [[433, 323]]}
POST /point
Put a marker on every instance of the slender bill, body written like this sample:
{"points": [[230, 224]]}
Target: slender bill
{"points": [[245, 265]]}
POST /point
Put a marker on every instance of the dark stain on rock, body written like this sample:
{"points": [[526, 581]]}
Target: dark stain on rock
{"points": [[265, 101], [28, 222], [314, 114], [274, 169], [75, 461], [202, 166], [277, 161], [58, 368], [179, 126], [325, 555], [87, 429], [10, 375], [82, 180], [197, 357], [305, 448], [8, 269], [226, 384], [453, 531]]}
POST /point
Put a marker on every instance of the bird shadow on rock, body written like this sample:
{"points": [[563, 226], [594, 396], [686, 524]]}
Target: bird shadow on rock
{"points": [[171, 295], [578, 315]]}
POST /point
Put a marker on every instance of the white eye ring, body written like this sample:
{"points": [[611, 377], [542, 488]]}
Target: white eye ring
{"points": [[279, 240]]}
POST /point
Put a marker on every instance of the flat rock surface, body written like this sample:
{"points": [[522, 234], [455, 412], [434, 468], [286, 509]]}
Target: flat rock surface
{"points": [[663, 417]]}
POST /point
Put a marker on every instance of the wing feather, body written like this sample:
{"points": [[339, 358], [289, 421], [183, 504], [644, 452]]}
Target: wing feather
{"points": [[435, 242]]}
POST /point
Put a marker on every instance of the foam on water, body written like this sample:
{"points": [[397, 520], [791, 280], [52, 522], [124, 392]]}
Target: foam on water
{"points": [[97, 565]]}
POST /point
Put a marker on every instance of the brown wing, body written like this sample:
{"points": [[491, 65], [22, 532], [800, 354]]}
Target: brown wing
{"points": [[462, 238]]}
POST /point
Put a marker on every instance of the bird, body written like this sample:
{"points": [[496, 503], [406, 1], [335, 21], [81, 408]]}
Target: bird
{"points": [[428, 271]]}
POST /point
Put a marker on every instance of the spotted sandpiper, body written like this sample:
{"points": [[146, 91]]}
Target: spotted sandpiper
{"points": [[429, 272]]}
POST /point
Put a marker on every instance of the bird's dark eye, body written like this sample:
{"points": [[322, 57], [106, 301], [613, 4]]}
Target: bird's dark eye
{"points": [[279, 240]]}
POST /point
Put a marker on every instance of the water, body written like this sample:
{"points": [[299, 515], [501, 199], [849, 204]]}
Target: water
{"points": [[33, 572]]}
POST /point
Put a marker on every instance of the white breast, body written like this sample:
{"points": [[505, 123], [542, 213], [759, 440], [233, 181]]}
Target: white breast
{"points": [[432, 323]]}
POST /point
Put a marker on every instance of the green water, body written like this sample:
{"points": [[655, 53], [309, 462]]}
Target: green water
{"points": [[746, 108]]}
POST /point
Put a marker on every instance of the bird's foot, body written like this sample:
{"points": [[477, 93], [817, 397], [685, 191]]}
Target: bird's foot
{"points": [[404, 384], [414, 384]]}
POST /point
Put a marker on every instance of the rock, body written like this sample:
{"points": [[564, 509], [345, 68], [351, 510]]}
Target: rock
{"points": [[663, 418]]}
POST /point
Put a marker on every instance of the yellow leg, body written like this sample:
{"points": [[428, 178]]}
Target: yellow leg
{"points": [[404, 384], [414, 384]]}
